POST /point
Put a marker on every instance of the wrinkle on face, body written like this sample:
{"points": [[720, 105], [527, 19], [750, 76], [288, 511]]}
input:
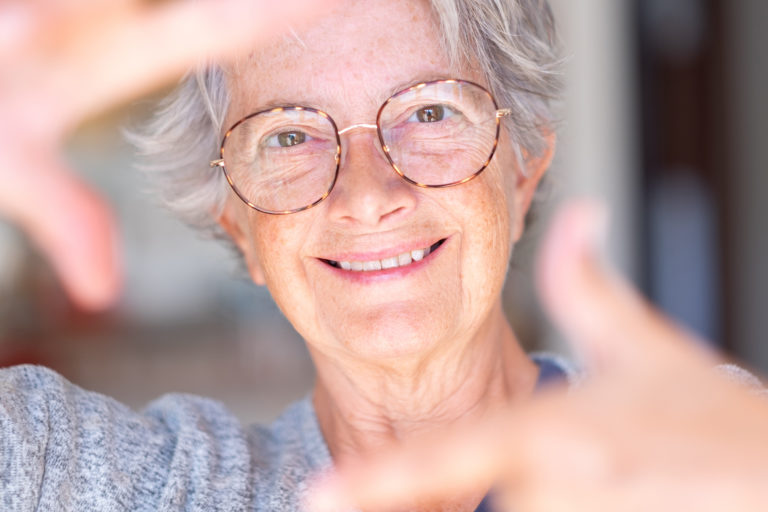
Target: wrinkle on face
{"points": [[348, 70]]}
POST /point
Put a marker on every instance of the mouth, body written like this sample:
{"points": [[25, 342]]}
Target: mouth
{"points": [[394, 261]]}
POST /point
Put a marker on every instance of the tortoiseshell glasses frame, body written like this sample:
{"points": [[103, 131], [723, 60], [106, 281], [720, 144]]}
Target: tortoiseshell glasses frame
{"points": [[496, 112]]}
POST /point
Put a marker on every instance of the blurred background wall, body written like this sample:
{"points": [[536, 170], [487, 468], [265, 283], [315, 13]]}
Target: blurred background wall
{"points": [[664, 116]]}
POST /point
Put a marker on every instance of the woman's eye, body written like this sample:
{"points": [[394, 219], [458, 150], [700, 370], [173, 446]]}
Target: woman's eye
{"points": [[431, 114], [287, 139]]}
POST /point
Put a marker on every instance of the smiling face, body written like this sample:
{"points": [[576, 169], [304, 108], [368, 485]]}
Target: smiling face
{"points": [[347, 65]]}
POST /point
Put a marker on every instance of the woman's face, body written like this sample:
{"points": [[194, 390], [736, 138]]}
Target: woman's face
{"points": [[347, 64]]}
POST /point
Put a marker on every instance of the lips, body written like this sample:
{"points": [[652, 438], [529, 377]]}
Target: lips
{"points": [[393, 261]]}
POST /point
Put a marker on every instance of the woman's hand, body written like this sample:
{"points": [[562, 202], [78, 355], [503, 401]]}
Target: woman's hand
{"points": [[64, 60], [655, 427]]}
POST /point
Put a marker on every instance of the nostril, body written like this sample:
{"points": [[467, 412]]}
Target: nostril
{"points": [[367, 190]]}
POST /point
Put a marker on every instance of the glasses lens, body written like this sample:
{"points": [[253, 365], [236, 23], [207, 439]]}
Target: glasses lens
{"points": [[440, 133], [282, 160]]}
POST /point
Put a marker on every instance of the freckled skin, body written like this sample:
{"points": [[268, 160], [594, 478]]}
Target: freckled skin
{"points": [[347, 65]]}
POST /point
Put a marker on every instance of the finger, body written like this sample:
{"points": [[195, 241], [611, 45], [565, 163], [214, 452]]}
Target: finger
{"points": [[424, 471], [512, 449], [72, 226], [609, 323], [25, 22], [16, 27], [134, 50]]}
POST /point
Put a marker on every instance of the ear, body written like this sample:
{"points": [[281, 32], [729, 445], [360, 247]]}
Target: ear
{"points": [[528, 180], [234, 221]]}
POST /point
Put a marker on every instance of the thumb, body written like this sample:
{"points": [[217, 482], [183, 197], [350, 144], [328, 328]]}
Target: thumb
{"points": [[608, 323]]}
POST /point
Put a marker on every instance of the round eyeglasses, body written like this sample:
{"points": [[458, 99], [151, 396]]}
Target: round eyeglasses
{"points": [[434, 134]]}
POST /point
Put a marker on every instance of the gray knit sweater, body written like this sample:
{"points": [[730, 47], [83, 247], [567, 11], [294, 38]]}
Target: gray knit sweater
{"points": [[66, 449]]}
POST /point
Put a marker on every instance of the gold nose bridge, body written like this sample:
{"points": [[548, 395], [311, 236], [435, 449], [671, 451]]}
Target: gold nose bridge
{"points": [[351, 127], [382, 149]]}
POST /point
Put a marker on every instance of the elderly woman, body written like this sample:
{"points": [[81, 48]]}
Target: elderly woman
{"points": [[380, 164], [374, 170]]}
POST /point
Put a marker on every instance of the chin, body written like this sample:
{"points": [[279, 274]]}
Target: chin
{"points": [[395, 334]]}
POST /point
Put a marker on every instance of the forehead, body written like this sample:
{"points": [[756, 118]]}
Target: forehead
{"points": [[346, 63]]}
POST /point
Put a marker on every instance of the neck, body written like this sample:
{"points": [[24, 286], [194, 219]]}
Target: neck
{"points": [[363, 407]]}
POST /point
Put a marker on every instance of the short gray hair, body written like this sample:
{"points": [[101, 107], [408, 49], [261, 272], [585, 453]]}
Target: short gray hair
{"points": [[512, 41]]}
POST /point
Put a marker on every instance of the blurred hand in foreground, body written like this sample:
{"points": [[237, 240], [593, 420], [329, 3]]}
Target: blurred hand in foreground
{"points": [[654, 427], [64, 60]]}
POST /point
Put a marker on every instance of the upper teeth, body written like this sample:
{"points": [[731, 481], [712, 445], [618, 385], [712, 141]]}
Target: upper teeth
{"points": [[400, 260]]}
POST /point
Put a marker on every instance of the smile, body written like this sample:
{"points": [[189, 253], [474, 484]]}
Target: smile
{"points": [[399, 260]]}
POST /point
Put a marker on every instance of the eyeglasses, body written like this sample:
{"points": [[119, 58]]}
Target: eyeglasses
{"points": [[434, 134]]}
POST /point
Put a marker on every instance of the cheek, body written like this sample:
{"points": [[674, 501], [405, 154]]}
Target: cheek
{"points": [[506, 166], [499, 221], [276, 245], [510, 181], [484, 208], [498, 215], [497, 208]]}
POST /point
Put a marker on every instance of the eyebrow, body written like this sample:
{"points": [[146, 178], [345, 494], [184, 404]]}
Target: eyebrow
{"points": [[286, 102], [281, 102], [432, 77]]}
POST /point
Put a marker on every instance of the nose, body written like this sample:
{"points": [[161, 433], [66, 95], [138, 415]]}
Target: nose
{"points": [[368, 192]]}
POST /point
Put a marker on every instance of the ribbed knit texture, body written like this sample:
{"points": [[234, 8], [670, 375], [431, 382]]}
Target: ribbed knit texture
{"points": [[66, 449]]}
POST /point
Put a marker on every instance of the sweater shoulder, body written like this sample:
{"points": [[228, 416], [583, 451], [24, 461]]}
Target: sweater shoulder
{"points": [[65, 448]]}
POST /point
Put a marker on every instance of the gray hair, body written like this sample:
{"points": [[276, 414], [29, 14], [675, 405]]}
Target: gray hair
{"points": [[512, 42]]}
